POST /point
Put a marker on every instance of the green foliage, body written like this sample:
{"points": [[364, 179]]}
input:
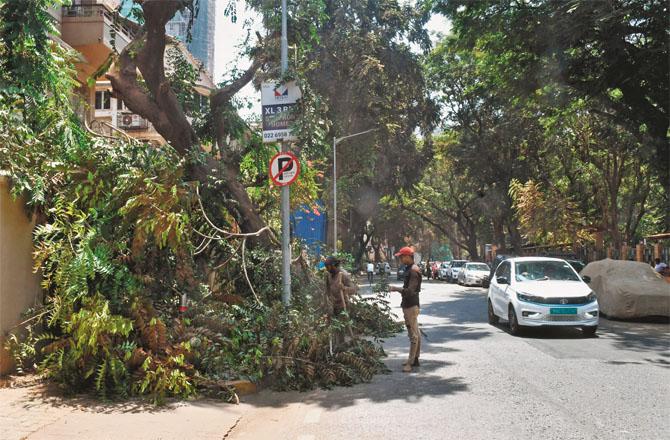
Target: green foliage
{"points": [[183, 78], [121, 239], [165, 378], [551, 54], [29, 59], [526, 156]]}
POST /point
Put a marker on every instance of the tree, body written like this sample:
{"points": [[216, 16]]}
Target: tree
{"points": [[614, 52], [605, 169], [152, 96], [120, 245], [495, 138], [357, 65]]}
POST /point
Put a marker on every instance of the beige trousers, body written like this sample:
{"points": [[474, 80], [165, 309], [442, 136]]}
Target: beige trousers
{"points": [[411, 315]]}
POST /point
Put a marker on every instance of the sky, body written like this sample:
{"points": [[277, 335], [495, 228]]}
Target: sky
{"points": [[229, 36]]}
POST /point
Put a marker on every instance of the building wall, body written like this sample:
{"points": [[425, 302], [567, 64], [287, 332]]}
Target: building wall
{"points": [[203, 39], [19, 286]]}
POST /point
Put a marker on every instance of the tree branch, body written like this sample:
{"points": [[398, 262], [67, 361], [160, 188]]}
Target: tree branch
{"points": [[223, 95]]}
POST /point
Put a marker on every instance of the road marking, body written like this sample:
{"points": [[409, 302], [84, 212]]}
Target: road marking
{"points": [[312, 417]]}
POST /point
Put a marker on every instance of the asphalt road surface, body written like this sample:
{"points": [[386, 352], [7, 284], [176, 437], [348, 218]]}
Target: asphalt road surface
{"points": [[478, 382]]}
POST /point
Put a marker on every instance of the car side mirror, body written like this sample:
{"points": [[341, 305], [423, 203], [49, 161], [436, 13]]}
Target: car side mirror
{"points": [[586, 279], [502, 280]]}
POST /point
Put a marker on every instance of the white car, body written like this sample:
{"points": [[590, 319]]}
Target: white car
{"points": [[454, 268], [474, 274], [443, 271], [538, 291]]}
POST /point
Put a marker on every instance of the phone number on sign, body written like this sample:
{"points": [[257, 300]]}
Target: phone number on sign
{"points": [[277, 135]]}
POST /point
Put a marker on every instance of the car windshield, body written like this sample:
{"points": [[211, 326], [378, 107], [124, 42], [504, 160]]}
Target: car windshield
{"points": [[481, 267], [544, 270], [445, 265], [577, 265], [458, 264]]}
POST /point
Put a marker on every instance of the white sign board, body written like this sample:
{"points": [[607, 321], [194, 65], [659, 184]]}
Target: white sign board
{"points": [[278, 102]]}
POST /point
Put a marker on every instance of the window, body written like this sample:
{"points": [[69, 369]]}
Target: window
{"points": [[504, 270], [119, 104], [480, 267], [103, 100], [544, 270]]}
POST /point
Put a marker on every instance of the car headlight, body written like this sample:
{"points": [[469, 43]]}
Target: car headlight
{"points": [[527, 298], [592, 297]]}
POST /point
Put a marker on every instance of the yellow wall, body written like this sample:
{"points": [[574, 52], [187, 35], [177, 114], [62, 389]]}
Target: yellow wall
{"points": [[19, 286]]}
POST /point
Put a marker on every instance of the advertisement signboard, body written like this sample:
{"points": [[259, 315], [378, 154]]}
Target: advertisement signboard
{"points": [[278, 103]]}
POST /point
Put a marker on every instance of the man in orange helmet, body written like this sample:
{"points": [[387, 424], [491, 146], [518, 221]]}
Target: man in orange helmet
{"points": [[410, 305]]}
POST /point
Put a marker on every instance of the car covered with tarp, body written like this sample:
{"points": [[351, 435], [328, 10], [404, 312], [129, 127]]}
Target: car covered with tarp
{"points": [[628, 289]]}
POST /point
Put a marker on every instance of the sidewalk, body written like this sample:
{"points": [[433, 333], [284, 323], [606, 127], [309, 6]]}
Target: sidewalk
{"points": [[33, 412]]}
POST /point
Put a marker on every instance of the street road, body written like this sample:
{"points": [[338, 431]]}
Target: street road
{"points": [[478, 382]]}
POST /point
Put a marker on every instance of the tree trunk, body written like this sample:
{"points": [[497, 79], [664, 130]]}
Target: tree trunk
{"points": [[498, 233], [159, 104], [515, 236]]}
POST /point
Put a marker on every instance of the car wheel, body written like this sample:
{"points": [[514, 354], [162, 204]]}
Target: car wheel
{"points": [[514, 327], [590, 330], [493, 318]]}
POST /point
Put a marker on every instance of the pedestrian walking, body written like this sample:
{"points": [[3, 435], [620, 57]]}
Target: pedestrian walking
{"points": [[410, 305], [371, 272]]}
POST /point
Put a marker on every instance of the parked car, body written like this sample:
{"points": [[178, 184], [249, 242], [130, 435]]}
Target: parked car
{"points": [[474, 274], [401, 272], [577, 265], [434, 268], [443, 271], [541, 291], [387, 269], [454, 269]]}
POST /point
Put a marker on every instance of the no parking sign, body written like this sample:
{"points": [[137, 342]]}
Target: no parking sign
{"points": [[284, 169]]}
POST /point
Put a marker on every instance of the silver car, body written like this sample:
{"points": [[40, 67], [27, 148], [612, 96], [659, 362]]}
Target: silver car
{"points": [[474, 274], [454, 268], [443, 270]]}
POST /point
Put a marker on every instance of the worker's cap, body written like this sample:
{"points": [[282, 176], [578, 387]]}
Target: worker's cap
{"points": [[405, 251], [332, 261]]}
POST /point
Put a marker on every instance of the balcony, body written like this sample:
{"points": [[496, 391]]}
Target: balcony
{"points": [[95, 31]]}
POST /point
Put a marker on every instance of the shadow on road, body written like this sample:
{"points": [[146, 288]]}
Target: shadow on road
{"points": [[43, 394], [464, 307], [395, 386], [640, 337]]}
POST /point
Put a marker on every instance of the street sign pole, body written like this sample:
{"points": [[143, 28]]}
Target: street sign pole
{"points": [[285, 192]]}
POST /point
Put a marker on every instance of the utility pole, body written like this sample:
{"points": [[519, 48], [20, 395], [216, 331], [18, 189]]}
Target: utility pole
{"points": [[335, 142], [285, 192]]}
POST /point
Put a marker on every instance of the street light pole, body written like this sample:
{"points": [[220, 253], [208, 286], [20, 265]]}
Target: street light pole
{"points": [[335, 142], [334, 195], [285, 193]]}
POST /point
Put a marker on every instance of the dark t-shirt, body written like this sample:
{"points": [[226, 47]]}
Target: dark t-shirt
{"points": [[411, 287]]}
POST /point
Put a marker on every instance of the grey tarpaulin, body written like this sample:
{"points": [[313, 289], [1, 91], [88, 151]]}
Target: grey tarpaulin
{"points": [[628, 289]]}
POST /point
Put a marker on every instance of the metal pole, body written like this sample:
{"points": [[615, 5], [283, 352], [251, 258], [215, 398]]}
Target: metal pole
{"points": [[335, 142], [284, 39], [285, 193], [334, 195]]}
